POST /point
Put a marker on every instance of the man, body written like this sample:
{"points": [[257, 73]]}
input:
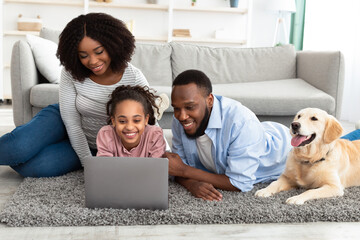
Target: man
{"points": [[219, 143]]}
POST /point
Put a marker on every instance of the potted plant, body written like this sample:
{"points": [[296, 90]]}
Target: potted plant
{"points": [[193, 2]]}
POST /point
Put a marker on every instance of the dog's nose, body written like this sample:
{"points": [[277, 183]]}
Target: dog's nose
{"points": [[295, 125]]}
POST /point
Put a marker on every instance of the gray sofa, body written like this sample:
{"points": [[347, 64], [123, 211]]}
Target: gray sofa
{"points": [[274, 82]]}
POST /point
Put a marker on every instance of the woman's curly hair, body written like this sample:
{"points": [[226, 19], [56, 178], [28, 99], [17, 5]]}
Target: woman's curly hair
{"points": [[139, 94], [112, 33]]}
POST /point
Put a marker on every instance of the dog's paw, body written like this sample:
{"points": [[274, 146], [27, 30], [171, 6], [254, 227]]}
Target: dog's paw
{"points": [[263, 193], [295, 200]]}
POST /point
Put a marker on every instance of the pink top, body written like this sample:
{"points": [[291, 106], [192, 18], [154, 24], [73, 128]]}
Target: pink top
{"points": [[152, 143]]}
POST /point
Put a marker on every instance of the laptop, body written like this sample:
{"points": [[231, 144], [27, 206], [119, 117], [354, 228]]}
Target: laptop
{"points": [[126, 182]]}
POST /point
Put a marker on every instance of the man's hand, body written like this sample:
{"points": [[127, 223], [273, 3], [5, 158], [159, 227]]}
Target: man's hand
{"points": [[179, 169], [205, 191], [176, 165]]}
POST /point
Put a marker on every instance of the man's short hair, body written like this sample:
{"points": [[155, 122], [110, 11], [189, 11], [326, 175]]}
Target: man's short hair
{"points": [[194, 76]]}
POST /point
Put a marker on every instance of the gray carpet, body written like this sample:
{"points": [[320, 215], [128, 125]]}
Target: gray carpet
{"points": [[60, 202]]}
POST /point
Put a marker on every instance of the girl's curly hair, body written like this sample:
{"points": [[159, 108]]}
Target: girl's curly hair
{"points": [[112, 33], [139, 94]]}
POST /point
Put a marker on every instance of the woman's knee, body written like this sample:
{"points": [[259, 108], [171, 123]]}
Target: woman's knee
{"points": [[13, 149], [50, 113], [55, 160], [27, 140]]}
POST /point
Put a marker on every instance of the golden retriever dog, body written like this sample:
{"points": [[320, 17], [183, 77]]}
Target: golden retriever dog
{"points": [[319, 162]]}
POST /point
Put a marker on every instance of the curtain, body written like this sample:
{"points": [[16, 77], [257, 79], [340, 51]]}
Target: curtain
{"points": [[297, 25], [335, 25]]}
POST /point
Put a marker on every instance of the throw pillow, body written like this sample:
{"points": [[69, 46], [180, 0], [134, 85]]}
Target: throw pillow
{"points": [[44, 52]]}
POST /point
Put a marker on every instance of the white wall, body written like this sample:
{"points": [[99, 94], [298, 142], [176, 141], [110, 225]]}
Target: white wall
{"points": [[336, 28], [264, 19], [1, 53]]}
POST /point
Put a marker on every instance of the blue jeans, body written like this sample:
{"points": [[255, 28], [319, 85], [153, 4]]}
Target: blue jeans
{"points": [[41, 147]]}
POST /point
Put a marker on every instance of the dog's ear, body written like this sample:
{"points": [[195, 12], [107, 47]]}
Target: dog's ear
{"points": [[333, 130]]}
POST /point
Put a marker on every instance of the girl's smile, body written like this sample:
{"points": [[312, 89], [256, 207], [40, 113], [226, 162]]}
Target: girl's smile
{"points": [[130, 135]]}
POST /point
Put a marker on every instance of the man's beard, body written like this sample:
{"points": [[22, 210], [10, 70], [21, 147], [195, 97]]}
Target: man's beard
{"points": [[203, 125]]}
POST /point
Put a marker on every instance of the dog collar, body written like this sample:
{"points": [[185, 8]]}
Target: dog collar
{"points": [[309, 163]]}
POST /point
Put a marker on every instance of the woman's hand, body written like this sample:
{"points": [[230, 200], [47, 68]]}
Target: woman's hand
{"points": [[205, 191], [176, 165]]}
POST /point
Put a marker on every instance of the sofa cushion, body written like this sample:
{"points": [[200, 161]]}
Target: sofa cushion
{"points": [[154, 62], [44, 52], [234, 65], [167, 91], [278, 97], [42, 95], [50, 34]]}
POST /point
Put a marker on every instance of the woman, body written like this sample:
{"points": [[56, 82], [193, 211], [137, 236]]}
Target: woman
{"points": [[95, 50]]}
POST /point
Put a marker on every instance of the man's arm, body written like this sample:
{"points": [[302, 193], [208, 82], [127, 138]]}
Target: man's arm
{"points": [[202, 190], [179, 169]]}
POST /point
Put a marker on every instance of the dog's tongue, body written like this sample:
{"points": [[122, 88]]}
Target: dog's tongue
{"points": [[297, 140]]}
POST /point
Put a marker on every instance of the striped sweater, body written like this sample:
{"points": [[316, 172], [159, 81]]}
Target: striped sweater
{"points": [[83, 107]]}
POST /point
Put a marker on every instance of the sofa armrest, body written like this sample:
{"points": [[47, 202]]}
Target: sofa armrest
{"points": [[325, 71], [23, 77]]}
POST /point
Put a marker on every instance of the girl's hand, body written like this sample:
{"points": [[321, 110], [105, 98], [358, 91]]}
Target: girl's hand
{"points": [[205, 191], [176, 165]]}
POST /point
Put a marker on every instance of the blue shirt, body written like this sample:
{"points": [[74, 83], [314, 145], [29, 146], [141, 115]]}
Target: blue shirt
{"points": [[243, 149]]}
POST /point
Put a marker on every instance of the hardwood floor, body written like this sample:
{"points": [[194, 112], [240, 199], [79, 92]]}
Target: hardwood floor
{"points": [[9, 181]]}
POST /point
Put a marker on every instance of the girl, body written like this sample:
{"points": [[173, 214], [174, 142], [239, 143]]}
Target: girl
{"points": [[132, 132], [95, 50]]}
